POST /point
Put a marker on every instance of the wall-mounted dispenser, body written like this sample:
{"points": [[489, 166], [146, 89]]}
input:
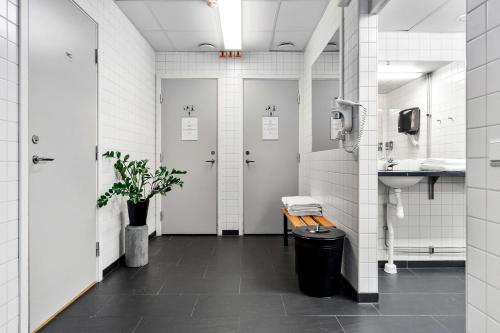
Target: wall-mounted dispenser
{"points": [[409, 121]]}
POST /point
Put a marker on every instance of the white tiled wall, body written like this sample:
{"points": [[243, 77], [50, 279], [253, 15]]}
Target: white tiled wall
{"points": [[332, 176], [126, 111], [9, 285], [448, 111], [368, 171], [410, 95], [483, 182], [437, 222], [448, 115], [327, 65], [347, 183], [230, 122]]}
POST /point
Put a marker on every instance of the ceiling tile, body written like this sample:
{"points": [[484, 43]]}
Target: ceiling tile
{"points": [[189, 40], [299, 38], [402, 15], [158, 40], [140, 15], [259, 15], [445, 19], [257, 40], [300, 15], [185, 15]]}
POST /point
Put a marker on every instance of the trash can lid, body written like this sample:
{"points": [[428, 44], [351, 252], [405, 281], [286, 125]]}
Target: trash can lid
{"points": [[324, 234]]}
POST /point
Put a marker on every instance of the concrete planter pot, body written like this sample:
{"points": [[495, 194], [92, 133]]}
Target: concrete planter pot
{"points": [[136, 246]]}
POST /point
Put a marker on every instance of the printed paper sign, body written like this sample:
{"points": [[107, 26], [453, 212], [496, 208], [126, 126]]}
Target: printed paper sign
{"points": [[270, 128], [189, 129]]}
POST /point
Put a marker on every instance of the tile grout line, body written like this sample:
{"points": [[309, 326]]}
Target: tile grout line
{"points": [[283, 304], [138, 324], [338, 321], [194, 306], [441, 324], [162, 286]]}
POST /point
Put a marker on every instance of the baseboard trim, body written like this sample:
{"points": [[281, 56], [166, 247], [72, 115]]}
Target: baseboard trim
{"points": [[74, 299], [424, 263], [121, 260], [230, 232], [358, 297]]}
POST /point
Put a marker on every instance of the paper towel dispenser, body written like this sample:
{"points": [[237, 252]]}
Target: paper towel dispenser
{"points": [[409, 121]]}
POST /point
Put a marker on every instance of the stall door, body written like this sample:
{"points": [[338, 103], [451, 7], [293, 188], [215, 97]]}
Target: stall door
{"points": [[62, 172], [270, 157], [189, 142]]}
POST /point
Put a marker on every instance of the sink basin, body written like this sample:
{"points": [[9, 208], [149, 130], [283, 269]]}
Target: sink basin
{"points": [[400, 181]]}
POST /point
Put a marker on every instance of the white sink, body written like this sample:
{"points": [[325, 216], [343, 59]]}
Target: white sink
{"points": [[400, 181]]}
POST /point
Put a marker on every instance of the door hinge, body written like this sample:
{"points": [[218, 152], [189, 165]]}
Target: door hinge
{"points": [[298, 98], [161, 216], [161, 98], [298, 157], [96, 56], [161, 158], [97, 249], [97, 153]]}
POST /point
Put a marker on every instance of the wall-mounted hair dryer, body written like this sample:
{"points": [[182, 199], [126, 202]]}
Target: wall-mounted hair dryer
{"points": [[344, 113]]}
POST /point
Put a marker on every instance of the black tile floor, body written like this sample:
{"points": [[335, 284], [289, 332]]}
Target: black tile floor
{"points": [[248, 284]]}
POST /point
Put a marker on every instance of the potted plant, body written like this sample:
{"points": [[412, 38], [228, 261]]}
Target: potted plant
{"points": [[138, 184]]}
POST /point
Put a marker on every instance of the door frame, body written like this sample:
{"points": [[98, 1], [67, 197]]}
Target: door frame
{"points": [[24, 160], [158, 128], [300, 92]]}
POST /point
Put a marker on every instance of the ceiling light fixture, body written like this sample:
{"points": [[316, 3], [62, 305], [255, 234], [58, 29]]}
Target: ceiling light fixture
{"points": [[212, 3], [230, 21], [399, 76], [286, 45], [205, 46]]}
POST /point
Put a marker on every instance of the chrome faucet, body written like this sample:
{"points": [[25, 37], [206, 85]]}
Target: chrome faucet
{"points": [[390, 164]]}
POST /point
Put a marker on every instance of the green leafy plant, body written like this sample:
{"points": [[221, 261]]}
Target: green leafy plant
{"points": [[137, 182]]}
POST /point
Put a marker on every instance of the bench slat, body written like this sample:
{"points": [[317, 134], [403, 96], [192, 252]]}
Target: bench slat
{"points": [[324, 222], [309, 221], [294, 220]]}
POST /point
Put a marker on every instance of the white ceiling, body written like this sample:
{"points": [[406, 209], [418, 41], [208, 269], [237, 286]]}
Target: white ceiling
{"points": [[421, 67], [422, 16], [181, 25]]}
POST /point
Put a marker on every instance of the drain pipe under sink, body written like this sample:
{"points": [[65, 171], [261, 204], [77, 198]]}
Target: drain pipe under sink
{"points": [[390, 267]]}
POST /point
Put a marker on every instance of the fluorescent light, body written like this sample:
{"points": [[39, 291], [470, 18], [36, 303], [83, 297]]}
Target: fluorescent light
{"points": [[230, 21], [399, 76], [397, 68]]}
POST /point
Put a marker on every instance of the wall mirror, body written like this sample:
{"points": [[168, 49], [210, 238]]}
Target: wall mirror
{"points": [[325, 88]]}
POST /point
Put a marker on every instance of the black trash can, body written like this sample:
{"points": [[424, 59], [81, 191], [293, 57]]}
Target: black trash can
{"points": [[318, 260]]}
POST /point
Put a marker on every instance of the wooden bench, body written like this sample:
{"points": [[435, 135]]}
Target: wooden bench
{"points": [[301, 222]]}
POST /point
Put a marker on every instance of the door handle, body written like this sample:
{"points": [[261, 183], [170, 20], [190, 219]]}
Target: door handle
{"points": [[211, 161], [37, 159], [249, 161]]}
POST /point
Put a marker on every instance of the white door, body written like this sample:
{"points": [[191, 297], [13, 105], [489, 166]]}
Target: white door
{"points": [[189, 142], [62, 127], [271, 146]]}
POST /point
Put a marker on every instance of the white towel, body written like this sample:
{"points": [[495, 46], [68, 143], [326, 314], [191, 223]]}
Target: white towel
{"points": [[445, 161], [315, 212], [300, 201], [302, 206], [442, 164]]}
